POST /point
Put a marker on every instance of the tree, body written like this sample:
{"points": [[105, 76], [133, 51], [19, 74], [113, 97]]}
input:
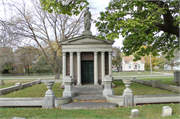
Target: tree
{"points": [[45, 30], [154, 24], [174, 61], [68, 7], [26, 56], [42, 66], [154, 62], [116, 56]]}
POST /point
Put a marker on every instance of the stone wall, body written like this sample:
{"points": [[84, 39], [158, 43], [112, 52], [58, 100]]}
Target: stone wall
{"points": [[154, 83], [18, 86]]}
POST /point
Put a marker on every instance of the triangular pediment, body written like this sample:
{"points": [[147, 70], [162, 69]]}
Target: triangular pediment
{"points": [[85, 39]]}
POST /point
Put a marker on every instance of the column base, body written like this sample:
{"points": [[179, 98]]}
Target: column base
{"points": [[96, 84], [79, 84]]}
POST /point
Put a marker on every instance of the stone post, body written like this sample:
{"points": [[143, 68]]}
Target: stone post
{"points": [[128, 94], [176, 77], [166, 111], [39, 80], [108, 85], [19, 85], [49, 99], [134, 113], [68, 82]]}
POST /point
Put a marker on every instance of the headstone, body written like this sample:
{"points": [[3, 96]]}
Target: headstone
{"points": [[108, 85], [39, 80], [2, 83], [176, 77], [68, 83], [134, 113], [166, 111], [49, 99], [128, 94]]}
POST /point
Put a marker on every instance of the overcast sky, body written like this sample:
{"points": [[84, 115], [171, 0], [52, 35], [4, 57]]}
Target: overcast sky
{"points": [[96, 6]]}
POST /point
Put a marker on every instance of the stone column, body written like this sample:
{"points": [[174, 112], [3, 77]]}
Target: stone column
{"points": [[71, 64], [64, 69], [110, 63], [49, 99], [95, 69], [79, 69], [102, 67]]}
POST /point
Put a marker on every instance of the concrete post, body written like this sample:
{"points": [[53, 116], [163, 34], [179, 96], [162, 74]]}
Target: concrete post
{"points": [[134, 113], [68, 82], [176, 77], [108, 85], [128, 94], [18, 84], [49, 99]]}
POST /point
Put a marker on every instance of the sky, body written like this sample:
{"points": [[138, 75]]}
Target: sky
{"points": [[96, 6]]}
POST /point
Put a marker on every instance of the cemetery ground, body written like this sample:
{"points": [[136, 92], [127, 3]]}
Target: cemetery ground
{"points": [[146, 110]]}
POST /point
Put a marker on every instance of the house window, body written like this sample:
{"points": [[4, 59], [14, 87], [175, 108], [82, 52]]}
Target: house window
{"points": [[129, 65], [13, 69], [135, 67], [138, 66]]}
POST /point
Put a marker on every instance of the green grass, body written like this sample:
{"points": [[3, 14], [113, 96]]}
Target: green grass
{"points": [[9, 83], [36, 91], [39, 90], [139, 89], [152, 111]]}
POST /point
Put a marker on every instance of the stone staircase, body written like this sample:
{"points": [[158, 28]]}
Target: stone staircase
{"points": [[89, 97]]}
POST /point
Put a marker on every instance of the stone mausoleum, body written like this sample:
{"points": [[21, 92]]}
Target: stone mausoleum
{"points": [[86, 58]]}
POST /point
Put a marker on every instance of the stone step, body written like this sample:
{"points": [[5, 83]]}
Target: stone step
{"points": [[90, 98], [88, 93], [89, 105]]}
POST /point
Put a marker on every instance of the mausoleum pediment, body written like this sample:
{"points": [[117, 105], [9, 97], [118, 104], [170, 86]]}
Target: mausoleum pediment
{"points": [[86, 39]]}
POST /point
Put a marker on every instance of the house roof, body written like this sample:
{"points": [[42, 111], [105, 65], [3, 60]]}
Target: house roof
{"points": [[128, 59]]}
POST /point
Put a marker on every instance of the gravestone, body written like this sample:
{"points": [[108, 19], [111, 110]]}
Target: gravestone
{"points": [[134, 113], [166, 111], [176, 77], [2, 83]]}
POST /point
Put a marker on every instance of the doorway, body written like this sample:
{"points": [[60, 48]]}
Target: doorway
{"points": [[87, 72]]}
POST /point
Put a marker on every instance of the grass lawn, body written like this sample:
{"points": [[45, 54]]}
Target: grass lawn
{"points": [[165, 80], [150, 111], [39, 90], [9, 83]]}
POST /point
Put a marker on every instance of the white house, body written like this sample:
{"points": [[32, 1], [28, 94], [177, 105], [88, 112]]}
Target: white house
{"points": [[129, 65]]}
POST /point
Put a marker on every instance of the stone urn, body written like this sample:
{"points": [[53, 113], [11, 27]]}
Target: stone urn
{"points": [[49, 86], [127, 83]]}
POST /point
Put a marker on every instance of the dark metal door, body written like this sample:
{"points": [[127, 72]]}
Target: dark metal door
{"points": [[87, 72]]}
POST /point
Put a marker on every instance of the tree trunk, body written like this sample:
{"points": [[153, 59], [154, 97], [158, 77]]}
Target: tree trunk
{"points": [[171, 67], [57, 75]]}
